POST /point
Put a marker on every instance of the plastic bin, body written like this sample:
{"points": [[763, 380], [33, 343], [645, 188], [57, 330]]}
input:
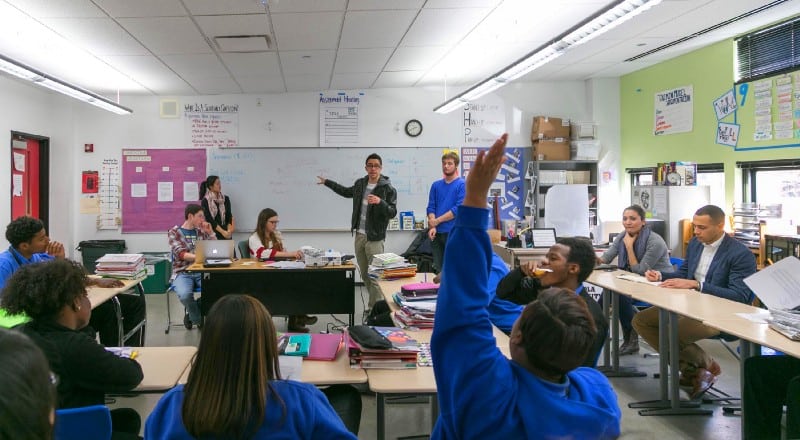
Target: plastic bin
{"points": [[158, 272], [91, 250]]}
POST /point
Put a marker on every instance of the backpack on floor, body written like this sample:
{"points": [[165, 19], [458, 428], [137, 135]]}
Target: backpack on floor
{"points": [[380, 315]]}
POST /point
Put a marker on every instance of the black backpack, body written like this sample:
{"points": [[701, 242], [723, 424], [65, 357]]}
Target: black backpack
{"points": [[380, 315]]}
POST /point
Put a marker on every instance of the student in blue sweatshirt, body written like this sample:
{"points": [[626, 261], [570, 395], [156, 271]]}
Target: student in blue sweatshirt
{"points": [[234, 390], [540, 392]]}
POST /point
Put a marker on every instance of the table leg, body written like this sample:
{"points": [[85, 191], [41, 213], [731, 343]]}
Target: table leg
{"points": [[381, 410], [118, 312], [747, 349], [434, 411], [615, 370]]}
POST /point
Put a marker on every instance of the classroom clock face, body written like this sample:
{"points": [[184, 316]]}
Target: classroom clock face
{"points": [[413, 128], [674, 178]]}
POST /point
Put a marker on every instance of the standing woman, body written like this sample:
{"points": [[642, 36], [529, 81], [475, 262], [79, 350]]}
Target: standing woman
{"points": [[217, 208], [266, 243], [638, 250], [235, 390]]}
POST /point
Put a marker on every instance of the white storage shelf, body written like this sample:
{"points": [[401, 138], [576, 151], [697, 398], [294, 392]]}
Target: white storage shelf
{"points": [[542, 175]]}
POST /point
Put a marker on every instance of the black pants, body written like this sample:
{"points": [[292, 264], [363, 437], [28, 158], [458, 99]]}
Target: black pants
{"points": [[104, 319], [125, 424], [346, 401], [769, 383]]}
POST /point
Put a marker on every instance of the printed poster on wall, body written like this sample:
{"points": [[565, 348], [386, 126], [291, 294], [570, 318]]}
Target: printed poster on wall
{"points": [[213, 125], [483, 122], [673, 111], [339, 120], [508, 188]]}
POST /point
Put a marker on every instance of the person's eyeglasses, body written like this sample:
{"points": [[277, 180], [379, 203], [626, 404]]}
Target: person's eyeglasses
{"points": [[273, 222], [372, 165]]}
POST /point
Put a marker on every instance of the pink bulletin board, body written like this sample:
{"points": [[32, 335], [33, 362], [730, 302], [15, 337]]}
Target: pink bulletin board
{"points": [[154, 193]]}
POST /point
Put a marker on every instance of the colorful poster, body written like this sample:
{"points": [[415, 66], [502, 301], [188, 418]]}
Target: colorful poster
{"points": [[674, 111], [508, 189], [725, 104], [727, 134]]}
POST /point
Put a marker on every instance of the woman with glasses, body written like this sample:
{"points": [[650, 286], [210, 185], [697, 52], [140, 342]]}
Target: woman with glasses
{"points": [[266, 243], [53, 294], [235, 390]]}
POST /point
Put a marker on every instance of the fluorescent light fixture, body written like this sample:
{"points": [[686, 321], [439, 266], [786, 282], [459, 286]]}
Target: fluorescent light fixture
{"points": [[593, 26], [20, 70]]}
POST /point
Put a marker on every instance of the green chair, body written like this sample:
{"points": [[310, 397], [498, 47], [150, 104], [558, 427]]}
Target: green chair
{"points": [[244, 248], [8, 321]]}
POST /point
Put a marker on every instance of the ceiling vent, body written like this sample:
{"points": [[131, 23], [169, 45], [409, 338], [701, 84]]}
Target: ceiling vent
{"points": [[243, 43]]}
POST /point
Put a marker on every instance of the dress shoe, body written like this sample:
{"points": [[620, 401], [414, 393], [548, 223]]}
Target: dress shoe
{"points": [[703, 380], [630, 344], [296, 325], [309, 320]]}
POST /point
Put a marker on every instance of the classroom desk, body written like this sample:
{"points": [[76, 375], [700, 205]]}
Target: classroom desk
{"points": [[312, 290], [418, 381], [99, 295], [163, 367]]}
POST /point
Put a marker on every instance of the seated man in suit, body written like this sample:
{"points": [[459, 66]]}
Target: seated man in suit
{"points": [[571, 261], [30, 244], [716, 264]]}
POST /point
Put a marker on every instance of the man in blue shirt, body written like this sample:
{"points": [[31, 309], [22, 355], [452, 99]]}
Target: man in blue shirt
{"points": [[443, 199], [30, 244]]}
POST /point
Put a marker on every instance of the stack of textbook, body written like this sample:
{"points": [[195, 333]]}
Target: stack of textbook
{"points": [[417, 303], [121, 266], [401, 355], [390, 266]]}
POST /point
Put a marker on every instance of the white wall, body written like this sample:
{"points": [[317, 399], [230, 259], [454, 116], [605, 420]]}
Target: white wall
{"points": [[294, 121]]}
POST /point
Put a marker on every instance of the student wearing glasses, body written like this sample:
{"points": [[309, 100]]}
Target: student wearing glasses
{"points": [[266, 243], [235, 390], [374, 204], [53, 295]]}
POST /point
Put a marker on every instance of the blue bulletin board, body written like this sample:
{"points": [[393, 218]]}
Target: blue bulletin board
{"points": [[508, 188]]}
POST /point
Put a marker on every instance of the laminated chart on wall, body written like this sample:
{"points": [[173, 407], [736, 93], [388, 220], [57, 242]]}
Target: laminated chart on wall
{"points": [[509, 185], [109, 191], [339, 119], [768, 112]]}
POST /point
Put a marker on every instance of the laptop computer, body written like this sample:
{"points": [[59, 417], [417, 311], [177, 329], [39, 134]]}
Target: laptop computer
{"points": [[214, 253]]}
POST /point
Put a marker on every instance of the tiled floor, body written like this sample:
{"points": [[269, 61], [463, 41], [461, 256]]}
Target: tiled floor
{"points": [[409, 420]]}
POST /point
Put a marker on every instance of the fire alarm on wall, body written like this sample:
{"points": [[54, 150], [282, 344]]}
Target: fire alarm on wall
{"points": [[88, 148]]}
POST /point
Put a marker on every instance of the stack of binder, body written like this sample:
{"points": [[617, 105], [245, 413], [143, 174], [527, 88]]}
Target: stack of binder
{"points": [[402, 355], [390, 266], [121, 266], [417, 303]]}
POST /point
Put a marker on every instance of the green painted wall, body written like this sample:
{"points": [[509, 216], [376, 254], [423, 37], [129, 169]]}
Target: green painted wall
{"points": [[710, 71]]}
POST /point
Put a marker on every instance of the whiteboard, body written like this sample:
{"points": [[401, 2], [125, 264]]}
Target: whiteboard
{"points": [[285, 179]]}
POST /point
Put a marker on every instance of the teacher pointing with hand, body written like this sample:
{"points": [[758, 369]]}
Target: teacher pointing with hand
{"points": [[374, 204]]}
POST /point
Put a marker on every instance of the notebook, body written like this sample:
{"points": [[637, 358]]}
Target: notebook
{"points": [[323, 347], [214, 253]]}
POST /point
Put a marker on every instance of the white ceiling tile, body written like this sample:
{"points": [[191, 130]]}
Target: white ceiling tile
{"points": [[461, 3], [215, 86], [619, 69], [353, 81], [252, 64], [58, 8], [365, 29], [362, 60], [398, 79], [700, 18], [261, 84], [222, 7], [100, 36], [625, 49], [142, 8], [195, 65], [281, 6], [151, 73], [168, 35], [580, 70], [310, 31], [221, 25], [442, 27], [307, 83], [362, 5], [310, 62], [416, 58]]}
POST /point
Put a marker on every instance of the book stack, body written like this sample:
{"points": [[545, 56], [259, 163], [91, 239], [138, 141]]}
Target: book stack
{"points": [[402, 355], [391, 266], [121, 266], [417, 303]]}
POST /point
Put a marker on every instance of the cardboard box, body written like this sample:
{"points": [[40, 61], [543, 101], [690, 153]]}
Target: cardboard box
{"points": [[551, 150], [545, 127]]}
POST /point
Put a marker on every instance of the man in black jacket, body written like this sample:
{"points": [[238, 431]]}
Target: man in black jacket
{"points": [[570, 262], [374, 204]]}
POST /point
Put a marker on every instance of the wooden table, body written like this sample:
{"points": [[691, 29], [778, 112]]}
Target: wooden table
{"points": [[163, 367], [312, 290], [99, 295]]}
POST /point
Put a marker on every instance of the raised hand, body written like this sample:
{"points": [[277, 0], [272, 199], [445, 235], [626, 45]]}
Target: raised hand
{"points": [[321, 180]]}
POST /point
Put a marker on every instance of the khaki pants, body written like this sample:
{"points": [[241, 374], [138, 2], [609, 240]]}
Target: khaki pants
{"points": [[364, 251], [691, 356]]}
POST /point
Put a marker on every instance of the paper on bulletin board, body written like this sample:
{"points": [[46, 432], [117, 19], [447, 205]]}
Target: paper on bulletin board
{"points": [[659, 201], [191, 192], [19, 162], [165, 191], [90, 204], [674, 111], [138, 190], [16, 181]]}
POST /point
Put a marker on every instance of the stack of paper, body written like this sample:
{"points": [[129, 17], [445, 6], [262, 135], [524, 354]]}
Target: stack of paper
{"points": [[387, 259], [121, 266], [402, 355]]}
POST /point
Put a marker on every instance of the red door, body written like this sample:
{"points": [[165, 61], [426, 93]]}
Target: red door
{"points": [[25, 177]]}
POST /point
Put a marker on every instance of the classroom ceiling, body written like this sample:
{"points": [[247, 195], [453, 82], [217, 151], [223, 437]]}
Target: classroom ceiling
{"points": [[184, 47]]}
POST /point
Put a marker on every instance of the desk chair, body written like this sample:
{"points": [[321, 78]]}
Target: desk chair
{"points": [[243, 246], [85, 423]]}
